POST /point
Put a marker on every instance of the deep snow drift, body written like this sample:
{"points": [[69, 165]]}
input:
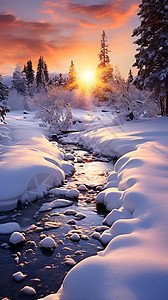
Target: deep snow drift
{"points": [[134, 264], [29, 164]]}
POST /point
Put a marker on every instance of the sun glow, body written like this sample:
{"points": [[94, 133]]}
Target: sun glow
{"points": [[86, 86], [87, 77]]}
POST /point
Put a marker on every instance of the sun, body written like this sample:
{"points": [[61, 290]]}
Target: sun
{"points": [[88, 77]]}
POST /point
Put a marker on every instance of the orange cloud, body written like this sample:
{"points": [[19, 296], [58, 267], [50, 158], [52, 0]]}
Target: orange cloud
{"points": [[112, 14], [22, 40]]}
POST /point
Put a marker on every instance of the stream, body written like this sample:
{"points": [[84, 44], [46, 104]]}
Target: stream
{"points": [[46, 269]]}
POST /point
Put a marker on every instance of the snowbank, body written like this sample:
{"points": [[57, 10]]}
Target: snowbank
{"points": [[29, 164], [134, 264]]}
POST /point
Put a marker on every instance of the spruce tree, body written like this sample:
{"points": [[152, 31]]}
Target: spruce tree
{"points": [[104, 52], [29, 73], [152, 56], [72, 75], [105, 70], [4, 91], [130, 77], [24, 69], [40, 77], [3, 97], [46, 74]]}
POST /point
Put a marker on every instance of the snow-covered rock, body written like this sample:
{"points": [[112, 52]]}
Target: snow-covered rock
{"points": [[74, 193], [48, 243], [7, 228], [95, 235], [59, 191], [55, 204], [80, 216], [75, 237], [19, 276], [16, 238], [79, 159], [82, 187], [71, 222], [69, 157], [28, 290], [70, 212], [70, 261]]}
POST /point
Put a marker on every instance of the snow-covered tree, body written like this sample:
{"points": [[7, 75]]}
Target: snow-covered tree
{"points": [[40, 76], [72, 76], [104, 69], [29, 73], [104, 52], [152, 56], [56, 112], [3, 98], [4, 91], [46, 74], [18, 95], [30, 79], [130, 77], [19, 80]]}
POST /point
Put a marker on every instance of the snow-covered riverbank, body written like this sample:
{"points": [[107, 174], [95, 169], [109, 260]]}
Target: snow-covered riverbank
{"points": [[29, 164], [134, 264]]}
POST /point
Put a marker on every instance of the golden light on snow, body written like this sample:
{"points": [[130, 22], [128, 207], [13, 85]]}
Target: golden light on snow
{"points": [[86, 84]]}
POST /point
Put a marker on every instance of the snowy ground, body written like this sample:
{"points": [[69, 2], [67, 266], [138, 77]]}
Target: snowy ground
{"points": [[29, 164], [134, 264]]}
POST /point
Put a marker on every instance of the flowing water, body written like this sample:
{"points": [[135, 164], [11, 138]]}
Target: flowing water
{"points": [[46, 270]]}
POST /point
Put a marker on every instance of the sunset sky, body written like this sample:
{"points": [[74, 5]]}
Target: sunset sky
{"points": [[65, 30]]}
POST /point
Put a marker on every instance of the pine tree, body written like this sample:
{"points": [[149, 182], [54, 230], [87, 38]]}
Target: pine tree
{"points": [[4, 91], [46, 74], [24, 69], [72, 75], [29, 73], [130, 77], [152, 56], [105, 70], [104, 52], [3, 97], [40, 77]]}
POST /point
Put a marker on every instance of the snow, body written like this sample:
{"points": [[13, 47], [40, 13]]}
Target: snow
{"points": [[134, 264], [16, 238], [55, 204], [65, 192], [48, 242], [7, 228], [29, 164], [59, 191]]}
